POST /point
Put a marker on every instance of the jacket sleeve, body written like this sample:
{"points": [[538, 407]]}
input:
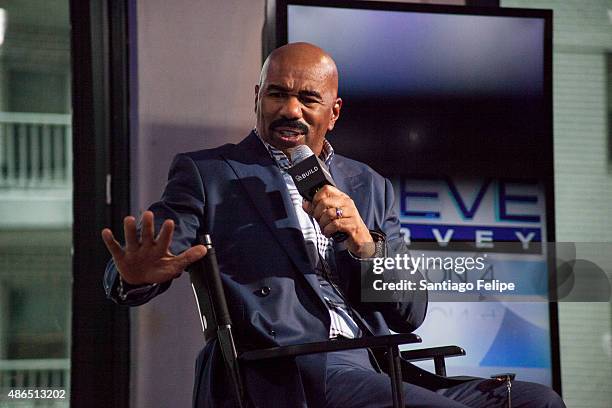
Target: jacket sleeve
{"points": [[409, 312], [405, 310], [183, 202]]}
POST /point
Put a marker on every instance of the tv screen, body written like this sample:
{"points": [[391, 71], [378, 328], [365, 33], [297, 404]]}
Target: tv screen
{"points": [[453, 104], [436, 93]]}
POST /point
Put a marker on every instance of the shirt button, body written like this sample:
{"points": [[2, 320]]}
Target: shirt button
{"points": [[264, 291]]}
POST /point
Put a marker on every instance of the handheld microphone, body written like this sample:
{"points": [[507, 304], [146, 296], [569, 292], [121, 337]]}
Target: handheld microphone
{"points": [[310, 174]]}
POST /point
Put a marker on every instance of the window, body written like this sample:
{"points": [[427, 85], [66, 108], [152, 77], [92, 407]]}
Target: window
{"points": [[35, 196]]}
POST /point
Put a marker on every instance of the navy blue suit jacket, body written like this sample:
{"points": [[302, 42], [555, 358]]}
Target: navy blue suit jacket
{"points": [[238, 195]]}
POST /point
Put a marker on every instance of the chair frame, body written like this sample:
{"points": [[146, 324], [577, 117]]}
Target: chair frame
{"points": [[216, 323]]}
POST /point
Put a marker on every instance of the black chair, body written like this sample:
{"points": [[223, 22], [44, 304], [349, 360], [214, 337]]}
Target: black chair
{"points": [[216, 323]]}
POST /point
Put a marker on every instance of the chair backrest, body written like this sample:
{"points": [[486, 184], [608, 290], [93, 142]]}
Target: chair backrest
{"points": [[214, 314], [208, 291]]}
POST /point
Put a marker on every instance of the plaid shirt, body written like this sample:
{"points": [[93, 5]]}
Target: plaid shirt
{"points": [[320, 248]]}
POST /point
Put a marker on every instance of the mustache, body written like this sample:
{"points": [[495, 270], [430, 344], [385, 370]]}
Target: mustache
{"points": [[291, 124]]}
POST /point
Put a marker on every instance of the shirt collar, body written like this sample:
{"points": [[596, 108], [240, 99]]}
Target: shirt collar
{"points": [[283, 162]]}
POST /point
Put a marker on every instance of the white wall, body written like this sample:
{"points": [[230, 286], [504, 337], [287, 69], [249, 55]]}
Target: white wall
{"points": [[583, 183], [197, 64]]}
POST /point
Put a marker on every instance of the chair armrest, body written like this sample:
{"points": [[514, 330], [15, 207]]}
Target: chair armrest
{"points": [[437, 354], [432, 353], [329, 345], [416, 375]]}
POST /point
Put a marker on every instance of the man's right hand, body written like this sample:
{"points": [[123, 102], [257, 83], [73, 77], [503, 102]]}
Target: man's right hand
{"points": [[148, 260]]}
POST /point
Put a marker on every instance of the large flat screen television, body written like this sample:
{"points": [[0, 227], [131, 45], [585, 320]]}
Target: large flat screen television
{"points": [[454, 105]]}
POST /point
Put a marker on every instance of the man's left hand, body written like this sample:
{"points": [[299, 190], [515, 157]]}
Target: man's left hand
{"points": [[336, 212]]}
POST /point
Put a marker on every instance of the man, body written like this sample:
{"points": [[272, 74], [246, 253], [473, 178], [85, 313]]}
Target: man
{"points": [[286, 281]]}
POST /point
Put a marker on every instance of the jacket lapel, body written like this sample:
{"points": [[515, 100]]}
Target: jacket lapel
{"points": [[266, 188], [353, 184]]}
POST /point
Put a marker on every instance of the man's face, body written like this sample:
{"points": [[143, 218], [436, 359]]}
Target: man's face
{"points": [[296, 103]]}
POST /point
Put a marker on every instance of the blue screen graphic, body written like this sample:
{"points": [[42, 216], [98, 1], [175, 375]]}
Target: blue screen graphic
{"points": [[450, 107]]}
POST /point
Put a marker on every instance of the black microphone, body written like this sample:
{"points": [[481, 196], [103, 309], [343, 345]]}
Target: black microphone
{"points": [[310, 174]]}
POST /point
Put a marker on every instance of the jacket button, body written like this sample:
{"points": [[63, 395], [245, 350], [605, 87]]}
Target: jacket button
{"points": [[272, 333], [264, 291]]}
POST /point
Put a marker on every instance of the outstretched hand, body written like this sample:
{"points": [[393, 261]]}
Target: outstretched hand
{"points": [[148, 260]]}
